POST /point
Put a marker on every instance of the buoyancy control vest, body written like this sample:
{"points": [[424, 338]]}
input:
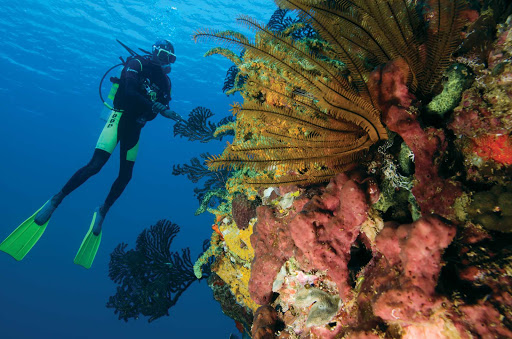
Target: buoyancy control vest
{"points": [[146, 85]]}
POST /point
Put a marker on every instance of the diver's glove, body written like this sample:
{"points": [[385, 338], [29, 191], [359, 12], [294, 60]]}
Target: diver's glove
{"points": [[172, 115], [158, 107]]}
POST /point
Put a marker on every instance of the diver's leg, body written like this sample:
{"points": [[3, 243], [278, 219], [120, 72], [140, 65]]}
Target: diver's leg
{"points": [[104, 147], [129, 140], [99, 158]]}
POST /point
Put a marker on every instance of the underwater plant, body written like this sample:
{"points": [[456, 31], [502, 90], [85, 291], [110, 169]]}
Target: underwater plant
{"points": [[151, 278], [308, 111], [197, 126]]}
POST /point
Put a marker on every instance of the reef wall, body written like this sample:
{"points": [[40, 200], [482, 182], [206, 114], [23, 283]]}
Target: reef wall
{"points": [[413, 240]]}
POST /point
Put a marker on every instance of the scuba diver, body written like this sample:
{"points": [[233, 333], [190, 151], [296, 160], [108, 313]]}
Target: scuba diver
{"points": [[144, 91]]}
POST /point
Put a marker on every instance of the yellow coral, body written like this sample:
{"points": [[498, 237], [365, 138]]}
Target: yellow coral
{"points": [[234, 266], [238, 241], [237, 277]]}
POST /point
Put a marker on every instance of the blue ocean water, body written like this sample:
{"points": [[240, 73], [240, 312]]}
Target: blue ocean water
{"points": [[52, 56]]}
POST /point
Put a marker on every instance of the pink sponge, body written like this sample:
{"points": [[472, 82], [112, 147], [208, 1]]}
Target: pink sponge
{"points": [[327, 227], [413, 253], [433, 193], [317, 232]]}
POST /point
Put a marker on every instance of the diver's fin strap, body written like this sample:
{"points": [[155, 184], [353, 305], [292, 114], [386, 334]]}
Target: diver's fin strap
{"points": [[89, 247]]}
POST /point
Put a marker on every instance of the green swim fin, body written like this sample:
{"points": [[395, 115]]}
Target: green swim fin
{"points": [[89, 247], [23, 238]]}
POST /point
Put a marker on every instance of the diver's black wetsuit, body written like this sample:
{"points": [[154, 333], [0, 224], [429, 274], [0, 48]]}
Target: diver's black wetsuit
{"points": [[142, 83]]}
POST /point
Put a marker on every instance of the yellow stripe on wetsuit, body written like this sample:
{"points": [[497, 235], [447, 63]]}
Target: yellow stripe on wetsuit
{"points": [[108, 138]]}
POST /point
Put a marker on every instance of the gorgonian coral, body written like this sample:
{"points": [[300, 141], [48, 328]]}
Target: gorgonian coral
{"points": [[281, 21], [198, 127], [151, 278], [197, 170]]}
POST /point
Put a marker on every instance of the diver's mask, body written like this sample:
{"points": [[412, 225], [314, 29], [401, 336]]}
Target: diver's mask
{"points": [[163, 56]]}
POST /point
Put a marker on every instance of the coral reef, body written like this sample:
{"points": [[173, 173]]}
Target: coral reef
{"points": [[433, 193], [402, 289], [482, 121], [151, 278], [317, 232], [243, 210], [411, 236], [265, 319]]}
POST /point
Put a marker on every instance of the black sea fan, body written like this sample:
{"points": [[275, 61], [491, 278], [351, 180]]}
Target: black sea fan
{"points": [[281, 21], [198, 126], [150, 277], [198, 170]]}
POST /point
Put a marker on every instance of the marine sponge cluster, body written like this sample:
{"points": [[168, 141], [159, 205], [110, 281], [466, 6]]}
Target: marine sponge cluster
{"points": [[393, 282], [482, 121]]}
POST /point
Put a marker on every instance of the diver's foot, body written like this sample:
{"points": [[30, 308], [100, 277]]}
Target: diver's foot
{"points": [[46, 212], [98, 222]]}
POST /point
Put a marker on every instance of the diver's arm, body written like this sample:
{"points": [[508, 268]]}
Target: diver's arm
{"points": [[169, 114], [166, 113]]}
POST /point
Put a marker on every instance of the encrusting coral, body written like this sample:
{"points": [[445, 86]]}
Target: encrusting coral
{"points": [[493, 209], [482, 121], [222, 293], [322, 306], [264, 325]]}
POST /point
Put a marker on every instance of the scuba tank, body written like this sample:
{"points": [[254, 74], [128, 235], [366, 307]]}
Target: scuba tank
{"points": [[107, 110], [115, 81]]}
